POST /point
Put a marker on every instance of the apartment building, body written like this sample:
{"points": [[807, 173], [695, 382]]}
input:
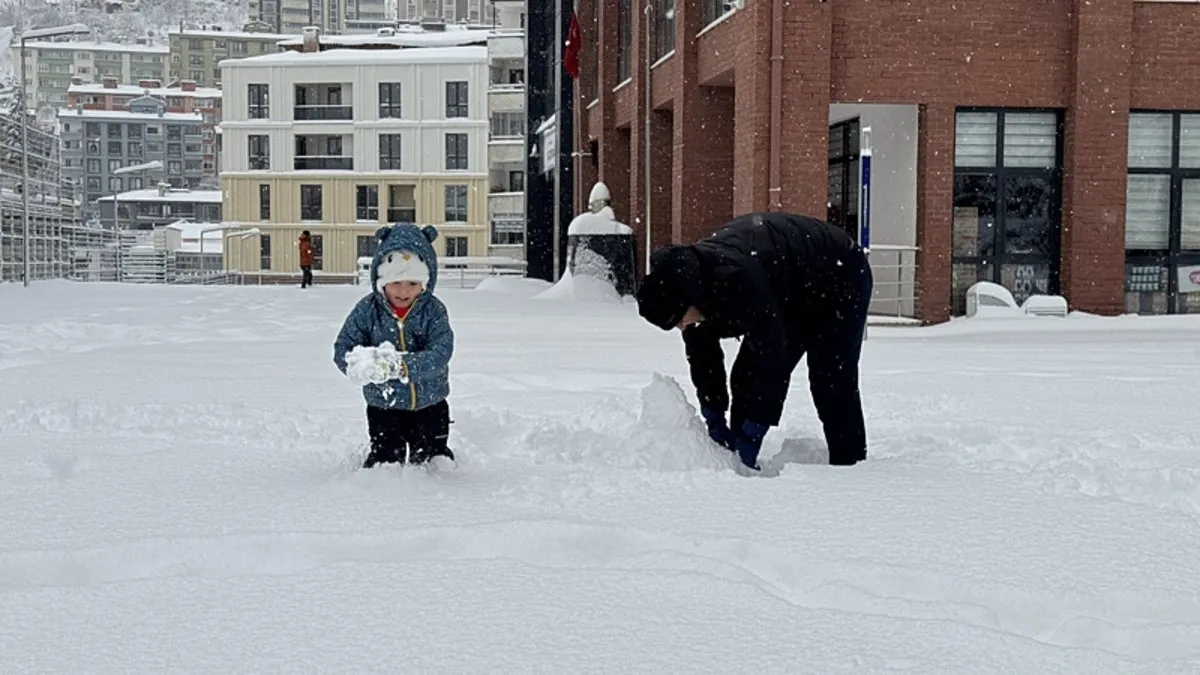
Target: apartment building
{"points": [[50, 67], [100, 146], [185, 97], [506, 137], [196, 54], [293, 16], [470, 12], [343, 141], [157, 207]]}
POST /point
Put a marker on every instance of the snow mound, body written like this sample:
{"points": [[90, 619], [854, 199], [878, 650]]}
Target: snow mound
{"points": [[519, 286], [664, 436], [587, 288], [603, 222]]}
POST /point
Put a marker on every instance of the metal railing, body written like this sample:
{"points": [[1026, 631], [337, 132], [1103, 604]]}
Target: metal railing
{"points": [[895, 270]]}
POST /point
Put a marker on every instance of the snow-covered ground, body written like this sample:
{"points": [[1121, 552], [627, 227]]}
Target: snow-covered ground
{"points": [[177, 494]]}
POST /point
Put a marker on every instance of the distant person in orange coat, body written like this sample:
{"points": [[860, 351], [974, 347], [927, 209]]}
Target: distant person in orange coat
{"points": [[306, 259]]}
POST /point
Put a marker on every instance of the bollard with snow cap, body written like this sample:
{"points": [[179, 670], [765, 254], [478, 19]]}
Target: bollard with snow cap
{"points": [[599, 245]]}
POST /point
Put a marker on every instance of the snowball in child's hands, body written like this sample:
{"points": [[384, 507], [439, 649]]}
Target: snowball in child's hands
{"points": [[375, 365]]}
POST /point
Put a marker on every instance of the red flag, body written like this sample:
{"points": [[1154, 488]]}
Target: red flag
{"points": [[571, 55]]}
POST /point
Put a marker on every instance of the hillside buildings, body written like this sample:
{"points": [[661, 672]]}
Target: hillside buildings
{"points": [[50, 67]]}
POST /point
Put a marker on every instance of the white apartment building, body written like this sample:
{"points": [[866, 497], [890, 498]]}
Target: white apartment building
{"points": [[343, 141], [506, 139]]}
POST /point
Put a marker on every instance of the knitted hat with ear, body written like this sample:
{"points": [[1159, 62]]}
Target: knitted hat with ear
{"points": [[401, 266]]}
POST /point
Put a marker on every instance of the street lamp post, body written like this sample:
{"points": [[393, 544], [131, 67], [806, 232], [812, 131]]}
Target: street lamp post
{"points": [[57, 31]]}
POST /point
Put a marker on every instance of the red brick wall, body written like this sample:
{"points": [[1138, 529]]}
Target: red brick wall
{"points": [[1093, 58]]}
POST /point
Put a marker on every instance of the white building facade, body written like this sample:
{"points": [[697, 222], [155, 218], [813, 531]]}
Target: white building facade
{"points": [[342, 141], [506, 132]]}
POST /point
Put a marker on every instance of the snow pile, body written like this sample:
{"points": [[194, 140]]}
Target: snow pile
{"points": [[585, 288], [602, 222], [511, 285], [375, 365]]}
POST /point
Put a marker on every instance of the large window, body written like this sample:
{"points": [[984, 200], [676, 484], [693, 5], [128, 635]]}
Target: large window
{"points": [[456, 152], [366, 202], [842, 208], [259, 102], [1007, 202], [389, 152], [310, 202], [664, 28], [624, 39], [456, 203], [456, 100], [1162, 214]]}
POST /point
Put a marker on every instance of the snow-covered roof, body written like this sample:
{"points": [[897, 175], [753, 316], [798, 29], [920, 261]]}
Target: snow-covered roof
{"points": [[602, 222], [365, 56], [190, 233], [449, 38], [151, 195], [126, 115], [230, 34], [134, 90], [100, 47]]}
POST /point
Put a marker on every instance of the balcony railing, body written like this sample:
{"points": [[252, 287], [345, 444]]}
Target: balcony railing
{"points": [[318, 163], [506, 206], [323, 112]]}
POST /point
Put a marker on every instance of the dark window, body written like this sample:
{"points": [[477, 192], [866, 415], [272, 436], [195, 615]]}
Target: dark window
{"points": [[842, 205], [389, 100], [402, 204], [264, 252], [367, 202], [259, 101], [318, 244], [456, 152], [624, 39], [264, 201], [516, 181], [310, 202], [456, 99], [456, 247], [366, 245], [389, 152], [1162, 213], [664, 27], [456, 203], [1007, 202], [259, 152]]}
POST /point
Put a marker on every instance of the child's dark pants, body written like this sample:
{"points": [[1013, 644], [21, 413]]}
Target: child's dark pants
{"points": [[424, 432]]}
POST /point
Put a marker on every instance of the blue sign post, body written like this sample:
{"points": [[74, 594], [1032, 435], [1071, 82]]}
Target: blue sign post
{"points": [[864, 196]]}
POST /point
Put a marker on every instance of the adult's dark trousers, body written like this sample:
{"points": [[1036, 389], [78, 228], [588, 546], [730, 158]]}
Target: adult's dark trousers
{"points": [[422, 433], [306, 276], [833, 347]]}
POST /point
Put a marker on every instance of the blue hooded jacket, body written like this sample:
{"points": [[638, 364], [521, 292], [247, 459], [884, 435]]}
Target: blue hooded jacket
{"points": [[424, 333]]}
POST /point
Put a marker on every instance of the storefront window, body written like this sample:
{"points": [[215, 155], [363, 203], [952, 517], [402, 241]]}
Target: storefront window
{"points": [[1162, 214], [1007, 202]]}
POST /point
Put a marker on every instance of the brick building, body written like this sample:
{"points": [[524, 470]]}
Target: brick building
{"points": [[1049, 152]]}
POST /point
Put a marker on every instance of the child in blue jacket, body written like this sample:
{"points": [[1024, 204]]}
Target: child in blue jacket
{"points": [[397, 343]]}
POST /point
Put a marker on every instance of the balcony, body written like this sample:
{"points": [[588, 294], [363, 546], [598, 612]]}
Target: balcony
{"points": [[506, 97], [506, 206], [323, 102], [321, 113], [324, 163], [506, 151], [507, 45]]}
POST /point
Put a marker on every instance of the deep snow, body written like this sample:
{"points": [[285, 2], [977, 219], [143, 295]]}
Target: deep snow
{"points": [[177, 494]]}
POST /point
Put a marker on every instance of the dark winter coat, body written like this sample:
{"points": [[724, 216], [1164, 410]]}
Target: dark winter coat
{"points": [[779, 281], [424, 332]]}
